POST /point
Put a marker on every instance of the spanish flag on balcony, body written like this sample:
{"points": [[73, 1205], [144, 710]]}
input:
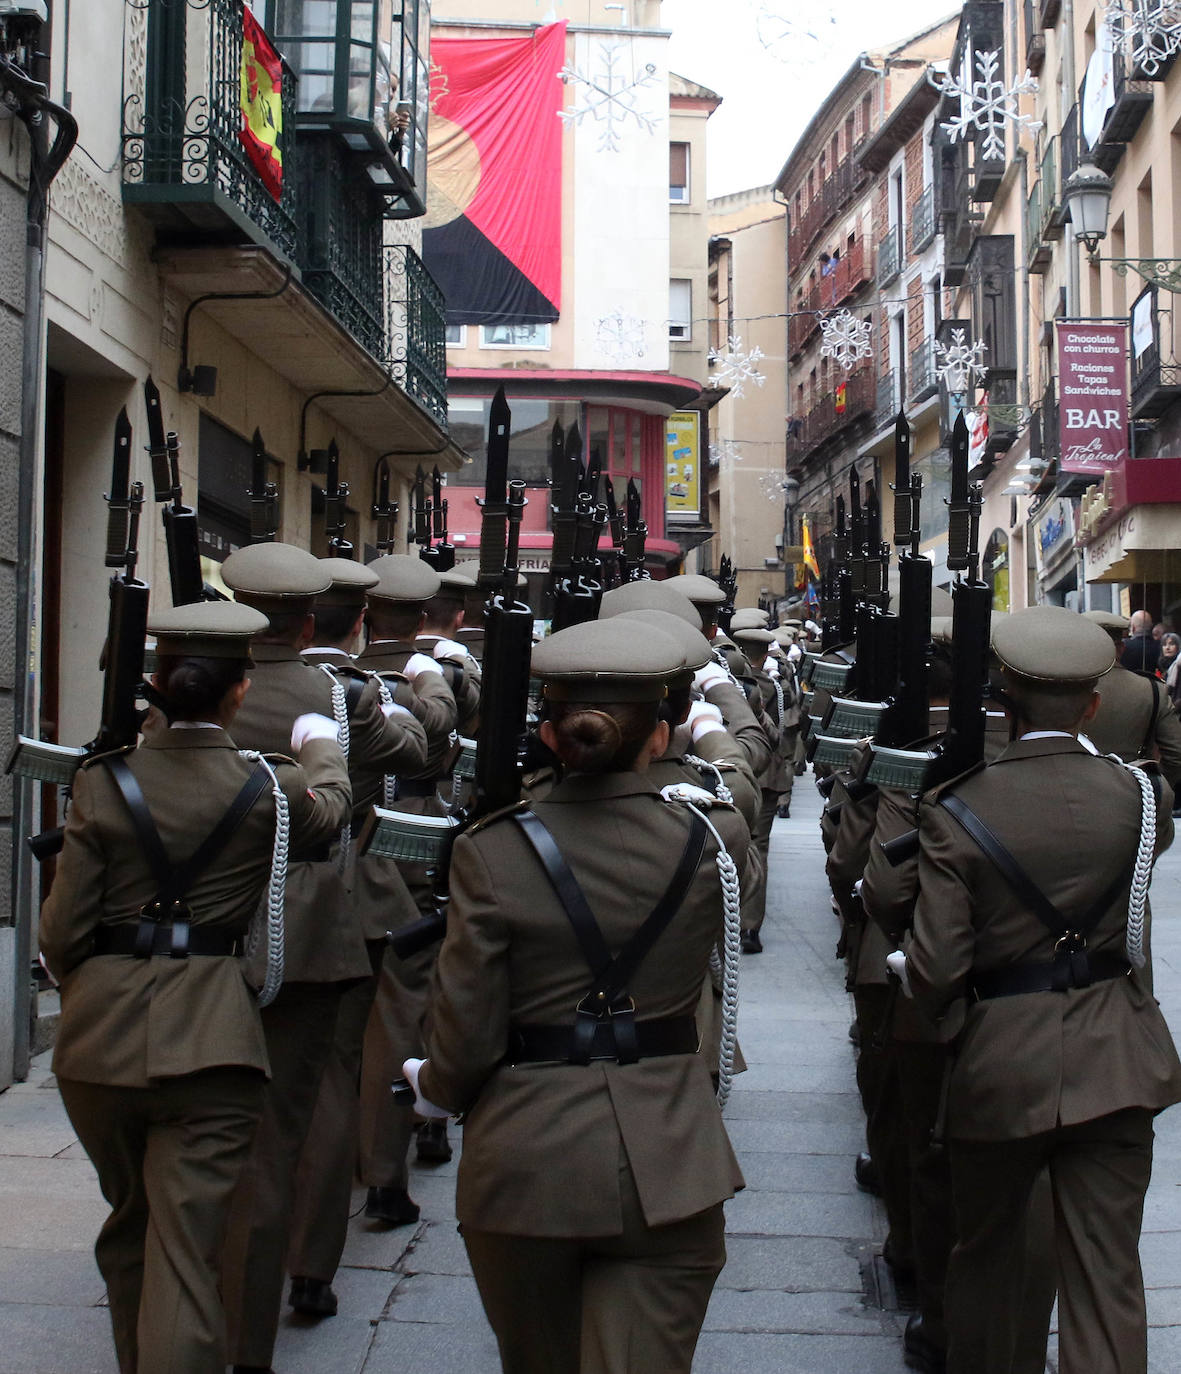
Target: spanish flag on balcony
{"points": [[811, 567], [262, 104]]}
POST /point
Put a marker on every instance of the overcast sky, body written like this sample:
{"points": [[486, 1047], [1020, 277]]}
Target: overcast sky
{"points": [[770, 93]]}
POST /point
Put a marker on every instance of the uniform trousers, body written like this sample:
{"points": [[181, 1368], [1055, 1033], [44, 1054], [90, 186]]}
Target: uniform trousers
{"points": [[1099, 1172], [790, 751], [168, 1158], [299, 1026], [754, 903], [604, 1305], [879, 1084], [921, 1069], [328, 1164]]}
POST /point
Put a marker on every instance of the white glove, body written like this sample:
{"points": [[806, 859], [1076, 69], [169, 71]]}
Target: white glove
{"points": [[896, 963], [703, 719], [410, 1071], [420, 663], [712, 675], [312, 726], [794, 654], [448, 648], [393, 709], [812, 627], [771, 666]]}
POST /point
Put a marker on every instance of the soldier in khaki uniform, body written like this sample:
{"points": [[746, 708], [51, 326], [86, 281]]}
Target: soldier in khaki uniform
{"points": [[329, 1159], [325, 943], [606, 1260], [396, 608], [160, 1059], [1064, 1058], [443, 619], [1136, 718]]}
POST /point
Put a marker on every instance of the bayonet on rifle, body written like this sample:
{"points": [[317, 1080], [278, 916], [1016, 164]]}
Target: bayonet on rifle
{"points": [[494, 507], [336, 496], [264, 495], [384, 511]]}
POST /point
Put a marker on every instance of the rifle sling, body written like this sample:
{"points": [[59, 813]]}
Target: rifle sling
{"points": [[1022, 884], [611, 974]]}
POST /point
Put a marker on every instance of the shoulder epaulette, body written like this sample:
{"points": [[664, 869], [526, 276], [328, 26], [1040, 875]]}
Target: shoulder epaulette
{"points": [[107, 754], [944, 788], [485, 821], [281, 758]]}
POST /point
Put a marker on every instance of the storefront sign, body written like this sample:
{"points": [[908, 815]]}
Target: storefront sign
{"points": [[1092, 395], [682, 468], [1055, 532]]}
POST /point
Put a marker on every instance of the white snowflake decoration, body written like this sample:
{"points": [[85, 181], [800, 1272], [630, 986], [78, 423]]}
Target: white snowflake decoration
{"points": [[787, 38], [734, 367], [622, 338], [987, 104], [773, 486], [612, 97], [724, 452], [845, 339], [959, 361], [1149, 31]]}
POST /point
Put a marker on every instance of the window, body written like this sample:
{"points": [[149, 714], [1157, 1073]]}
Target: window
{"points": [[514, 336], [678, 173], [680, 309], [457, 336]]}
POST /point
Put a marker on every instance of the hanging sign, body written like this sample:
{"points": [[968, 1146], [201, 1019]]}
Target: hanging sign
{"points": [[682, 467], [1092, 395]]}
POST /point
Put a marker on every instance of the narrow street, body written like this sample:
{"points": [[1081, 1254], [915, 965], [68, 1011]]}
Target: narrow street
{"points": [[792, 1298]]}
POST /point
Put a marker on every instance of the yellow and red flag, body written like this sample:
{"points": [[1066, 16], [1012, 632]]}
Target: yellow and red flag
{"points": [[262, 104], [810, 562]]}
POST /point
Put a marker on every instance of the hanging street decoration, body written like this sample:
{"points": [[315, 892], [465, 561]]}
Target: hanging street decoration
{"points": [[959, 361], [1149, 31], [845, 339], [789, 38], [622, 338], [611, 97], [734, 367], [987, 104], [724, 452]]}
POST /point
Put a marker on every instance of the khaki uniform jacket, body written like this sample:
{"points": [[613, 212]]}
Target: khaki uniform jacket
{"points": [[465, 684], [128, 1022], [472, 640], [543, 1144], [428, 697], [845, 867], [720, 748], [1031, 1062], [1130, 717], [743, 724]]}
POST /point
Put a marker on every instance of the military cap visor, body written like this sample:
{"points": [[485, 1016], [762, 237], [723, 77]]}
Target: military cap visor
{"points": [[1053, 646], [275, 577], [752, 634], [207, 629], [701, 590], [403, 580], [1107, 620], [648, 595], [607, 661], [350, 582]]}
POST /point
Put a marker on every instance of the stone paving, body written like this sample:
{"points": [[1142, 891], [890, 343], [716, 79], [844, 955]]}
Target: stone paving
{"points": [[801, 1237]]}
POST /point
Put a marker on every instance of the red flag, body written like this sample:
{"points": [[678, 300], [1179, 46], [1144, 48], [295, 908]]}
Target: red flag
{"points": [[842, 402], [262, 104]]}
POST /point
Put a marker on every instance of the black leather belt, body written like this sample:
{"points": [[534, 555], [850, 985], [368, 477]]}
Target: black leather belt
{"points": [[1075, 970], [418, 787], [177, 939], [554, 1044]]}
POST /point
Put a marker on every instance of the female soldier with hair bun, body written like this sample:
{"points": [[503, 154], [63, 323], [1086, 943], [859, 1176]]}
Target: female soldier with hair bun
{"points": [[160, 1055], [595, 1162]]}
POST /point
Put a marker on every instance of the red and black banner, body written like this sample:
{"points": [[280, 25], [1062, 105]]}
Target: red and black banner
{"points": [[493, 235]]}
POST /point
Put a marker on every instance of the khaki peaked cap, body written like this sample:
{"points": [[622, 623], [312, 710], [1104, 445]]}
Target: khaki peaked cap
{"points": [[403, 580], [701, 590], [1107, 620], [648, 595], [752, 634], [207, 629], [1052, 646], [350, 582], [275, 577], [749, 618], [695, 648], [613, 660]]}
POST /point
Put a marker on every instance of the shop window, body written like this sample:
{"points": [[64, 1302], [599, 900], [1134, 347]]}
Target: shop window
{"points": [[515, 336], [533, 423], [225, 471], [456, 336], [678, 173]]}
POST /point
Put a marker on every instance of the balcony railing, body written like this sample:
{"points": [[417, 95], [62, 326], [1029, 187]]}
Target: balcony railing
{"points": [[416, 331], [830, 200], [888, 257], [845, 275], [1052, 220], [1035, 38], [889, 399], [922, 221], [1038, 253], [180, 144], [855, 396], [922, 379]]}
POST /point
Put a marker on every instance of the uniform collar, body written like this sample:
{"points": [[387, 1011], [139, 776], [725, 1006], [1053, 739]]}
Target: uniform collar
{"points": [[216, 738], [274, 653], [318, 652], [1041, 748], [586, 787]]}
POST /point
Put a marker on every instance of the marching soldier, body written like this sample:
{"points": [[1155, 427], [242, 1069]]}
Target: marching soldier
{"points": [[607, 1262], [439, 636], [1064, 1058], [325, 952], [161, 1057], [396, 610]]}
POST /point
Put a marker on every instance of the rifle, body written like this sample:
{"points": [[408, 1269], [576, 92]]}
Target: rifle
{"points": [[494, 506], [385, 511], [565, 473], [444, 553], [635, 536], [264, 495], [618, 535], [508, 626], [577, 597], [336, 495], [420, 517], [123, 655], [180, 521], [728, 582]]}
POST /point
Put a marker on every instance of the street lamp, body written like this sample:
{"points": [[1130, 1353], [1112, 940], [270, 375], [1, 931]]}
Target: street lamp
{"points": [[1087, 197]]}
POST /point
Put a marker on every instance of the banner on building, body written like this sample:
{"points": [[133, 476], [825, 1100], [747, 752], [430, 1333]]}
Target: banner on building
{"points": [[1092, 395], [682, 467], [262, 104], [493, 233]]}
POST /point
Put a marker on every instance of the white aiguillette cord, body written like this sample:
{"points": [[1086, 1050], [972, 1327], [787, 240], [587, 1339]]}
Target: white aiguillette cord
{"points": [[340, 713], [724, 971], [270, 911]]}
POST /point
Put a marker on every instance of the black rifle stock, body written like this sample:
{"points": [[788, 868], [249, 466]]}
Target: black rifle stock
{"points": [[336, 498], [264, 495], [384, 511]]}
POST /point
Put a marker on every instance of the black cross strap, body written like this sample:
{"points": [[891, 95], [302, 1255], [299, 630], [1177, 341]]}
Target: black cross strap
{"points": [[608, 995], [175, 879], [352, 695], [1023, 885]]}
